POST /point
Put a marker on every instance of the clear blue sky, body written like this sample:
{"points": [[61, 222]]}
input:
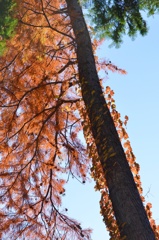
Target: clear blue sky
{"points": [[136, 95]]}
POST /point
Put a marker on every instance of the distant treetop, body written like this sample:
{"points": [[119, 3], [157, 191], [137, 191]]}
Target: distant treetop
{"points": [[115, 18]]}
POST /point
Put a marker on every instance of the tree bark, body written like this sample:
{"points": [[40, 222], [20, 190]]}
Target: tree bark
{"points": [[127, 205]]}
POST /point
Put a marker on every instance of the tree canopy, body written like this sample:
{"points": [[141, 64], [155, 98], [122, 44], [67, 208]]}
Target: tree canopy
{"points": [[115, 18], [48, 88], [39, 125]]}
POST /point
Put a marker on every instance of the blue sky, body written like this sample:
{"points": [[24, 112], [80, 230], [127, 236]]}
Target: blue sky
{"points": [[136, 95]]}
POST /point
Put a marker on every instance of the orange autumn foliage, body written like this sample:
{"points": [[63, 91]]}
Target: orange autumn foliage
{"points": [[40, 120], [40, 148]]}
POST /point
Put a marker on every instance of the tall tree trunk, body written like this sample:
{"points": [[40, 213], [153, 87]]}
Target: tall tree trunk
{"points": [[127, 205]]}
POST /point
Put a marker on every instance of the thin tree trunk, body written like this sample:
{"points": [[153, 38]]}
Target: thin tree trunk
{"points": [[127, 205]]}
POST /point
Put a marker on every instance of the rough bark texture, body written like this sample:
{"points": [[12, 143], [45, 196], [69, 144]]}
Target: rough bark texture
{"points": [[128, 207]]}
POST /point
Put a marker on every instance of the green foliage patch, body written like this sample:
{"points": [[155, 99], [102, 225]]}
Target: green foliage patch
{"points": [[7, 22], [115, 18]]}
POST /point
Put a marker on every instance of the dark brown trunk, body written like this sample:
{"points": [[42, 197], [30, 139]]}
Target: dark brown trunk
{"points": [[128, 207]]}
